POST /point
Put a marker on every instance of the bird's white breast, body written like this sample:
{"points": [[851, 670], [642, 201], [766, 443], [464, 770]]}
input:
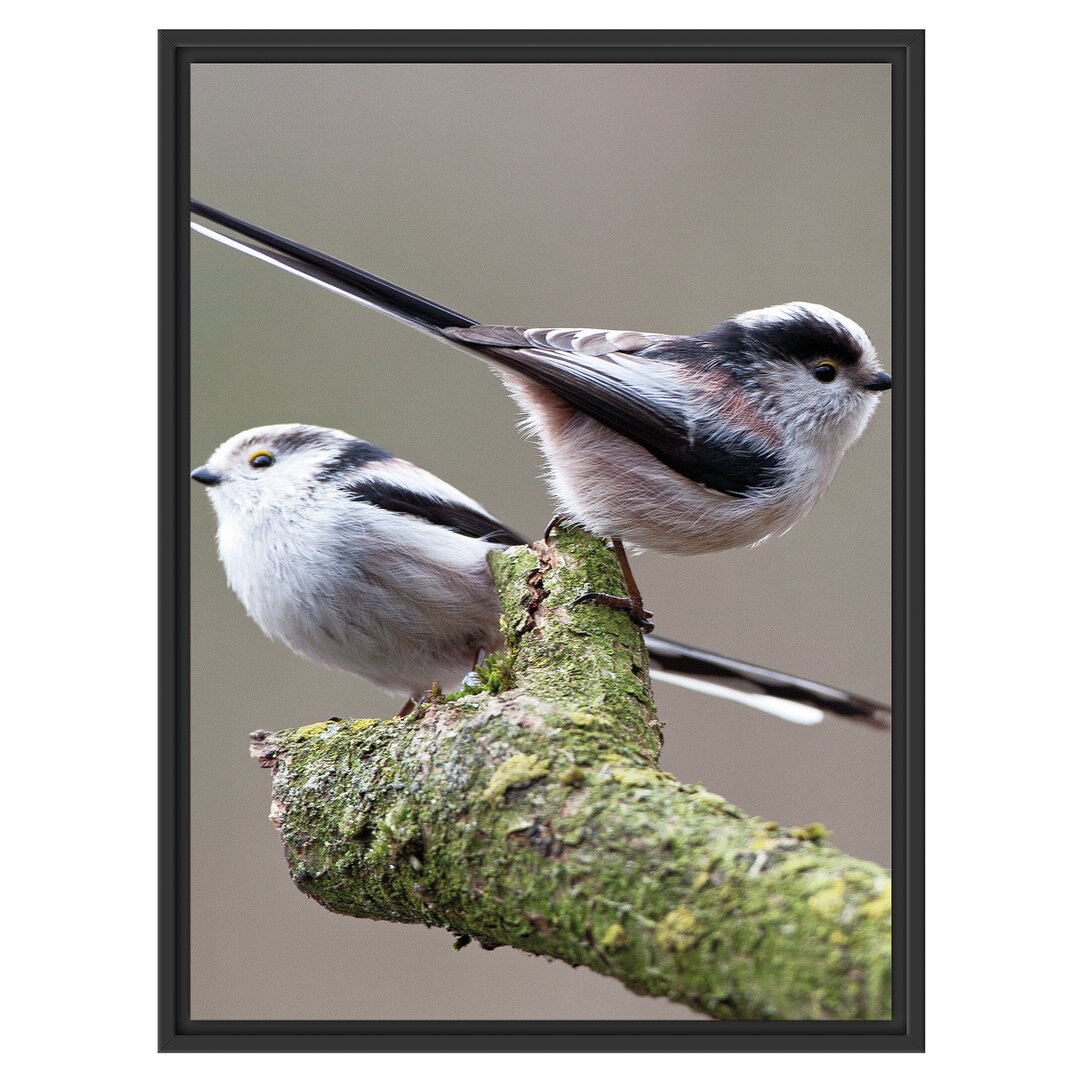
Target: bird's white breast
{"points": [[396, 600]]}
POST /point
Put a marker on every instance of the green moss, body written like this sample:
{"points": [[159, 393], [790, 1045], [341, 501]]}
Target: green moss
{"points": [[495, 673], [517, 771], [632, 777], [574, 776], [398, 824], [829, 901], [583, 719], [311, 730], [352, 823], [881, 906], [706, 798], [858, 878], [510, 569], [678, 930], [814, 832], [614, 937], [608, 683]]}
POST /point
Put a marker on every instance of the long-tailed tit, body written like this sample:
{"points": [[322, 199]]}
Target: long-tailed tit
{"points": [[366, 563], [674, 443]]}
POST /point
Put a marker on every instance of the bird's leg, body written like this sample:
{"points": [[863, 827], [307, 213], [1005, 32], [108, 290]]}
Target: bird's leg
{"points": [[429, 697], [418, 705], [632, 603]]}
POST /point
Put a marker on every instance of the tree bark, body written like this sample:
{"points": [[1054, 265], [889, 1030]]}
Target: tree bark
{"points": [[532, 813]]}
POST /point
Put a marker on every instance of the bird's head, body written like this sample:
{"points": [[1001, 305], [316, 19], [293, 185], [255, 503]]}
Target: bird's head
{"points": [[280, 465], [811, 370]]}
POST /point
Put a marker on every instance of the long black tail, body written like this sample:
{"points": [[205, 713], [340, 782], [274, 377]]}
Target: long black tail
{"points": [[331, 273], [603, 399], [754, 685]]}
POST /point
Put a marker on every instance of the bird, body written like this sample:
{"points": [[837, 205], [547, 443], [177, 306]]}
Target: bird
{"points": [[674, 443], [366, 563]]}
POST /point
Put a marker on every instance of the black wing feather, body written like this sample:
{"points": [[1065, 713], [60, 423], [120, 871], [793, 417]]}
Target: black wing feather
{"points": [[734, 464], [449, 515]]}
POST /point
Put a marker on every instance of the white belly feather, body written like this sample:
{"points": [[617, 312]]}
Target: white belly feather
{"points": [[384, 616]]}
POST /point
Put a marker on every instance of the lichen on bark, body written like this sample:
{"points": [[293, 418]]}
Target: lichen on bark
{"points": [[534, 814]]}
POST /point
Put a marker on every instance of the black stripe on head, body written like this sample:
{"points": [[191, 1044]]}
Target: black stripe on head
{"points": [[739, 348], [286, 438], [354, 454], [805, 338], [376, 491]]}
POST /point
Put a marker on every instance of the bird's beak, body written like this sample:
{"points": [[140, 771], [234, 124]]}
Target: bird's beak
{"points": [[881, 381], [205, 476]]}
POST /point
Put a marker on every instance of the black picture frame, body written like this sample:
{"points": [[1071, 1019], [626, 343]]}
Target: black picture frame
{"points": [[903, 50]]}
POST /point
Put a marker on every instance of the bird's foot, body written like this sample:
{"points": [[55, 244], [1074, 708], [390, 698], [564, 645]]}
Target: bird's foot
{"points": [[556, 522], [416, 706], [632, 605]]}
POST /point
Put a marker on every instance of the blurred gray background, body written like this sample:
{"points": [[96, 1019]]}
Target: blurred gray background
{"points": [[661, 197]]}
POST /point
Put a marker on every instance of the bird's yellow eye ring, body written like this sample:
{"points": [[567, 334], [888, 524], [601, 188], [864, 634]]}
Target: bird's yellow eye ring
{"points": [[825, 371], [261, 460]]}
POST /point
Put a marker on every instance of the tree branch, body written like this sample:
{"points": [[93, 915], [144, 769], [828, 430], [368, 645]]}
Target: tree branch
{"points": [[533, 814]]}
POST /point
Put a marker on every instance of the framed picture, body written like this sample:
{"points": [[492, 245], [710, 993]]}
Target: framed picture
{"points": [[655, 182]]}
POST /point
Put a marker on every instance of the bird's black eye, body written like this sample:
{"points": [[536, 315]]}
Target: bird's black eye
{"points": [[825, 371], [261, 460]]}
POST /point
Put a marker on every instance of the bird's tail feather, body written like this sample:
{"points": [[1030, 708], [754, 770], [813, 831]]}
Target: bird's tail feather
{"points": [[801, 701], [331, 273]]}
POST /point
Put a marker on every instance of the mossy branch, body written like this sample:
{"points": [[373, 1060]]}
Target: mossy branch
{"points": [[533, 814]]}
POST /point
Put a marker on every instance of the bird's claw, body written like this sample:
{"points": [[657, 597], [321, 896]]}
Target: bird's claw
{"points": [[636, 612], [556, 522], [416, 706]]}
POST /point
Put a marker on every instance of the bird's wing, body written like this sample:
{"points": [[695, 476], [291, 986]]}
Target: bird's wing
{"points": [[583, 341], [600, 372], [650, 399], [393, 486]]}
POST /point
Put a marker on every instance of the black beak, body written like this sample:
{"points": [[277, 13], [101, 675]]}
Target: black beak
{"points": [[881, 381], [205, 476]]}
